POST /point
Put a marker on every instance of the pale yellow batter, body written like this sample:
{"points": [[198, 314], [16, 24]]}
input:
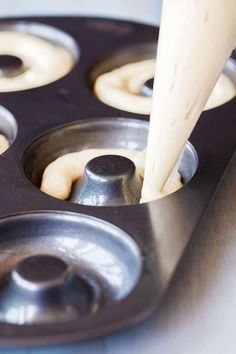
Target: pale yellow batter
{"points": [[121, 88], [196, 39], [59, 175], [44, 61], [4, 144]]}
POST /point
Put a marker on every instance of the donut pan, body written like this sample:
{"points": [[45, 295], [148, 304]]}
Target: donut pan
{"points": [[70, 271]]}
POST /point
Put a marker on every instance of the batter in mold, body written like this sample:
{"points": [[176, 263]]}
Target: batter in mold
{"points": [[43, 62], [4, 144], [196, 39], [121, 88], [60, 175]]}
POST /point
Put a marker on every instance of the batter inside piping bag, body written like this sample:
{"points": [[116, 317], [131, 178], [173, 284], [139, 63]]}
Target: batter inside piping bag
{"points": [[189, 62]]}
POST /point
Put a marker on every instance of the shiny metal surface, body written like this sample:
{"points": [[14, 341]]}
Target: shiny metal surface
{"points": [[109, 132], [105, 190], [86, 134], [97, 252], [230, 69], [8, 125], [43, 289], [188, 163], [108, 180], [161, 228], [41, 272], [197, 313]]}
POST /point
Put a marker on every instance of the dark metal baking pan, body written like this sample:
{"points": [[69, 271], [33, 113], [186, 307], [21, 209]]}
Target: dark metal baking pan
{"points": [[158, 231]]}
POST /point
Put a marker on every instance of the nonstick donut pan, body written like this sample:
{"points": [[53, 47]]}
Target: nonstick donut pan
{"points": [[72, 271]]}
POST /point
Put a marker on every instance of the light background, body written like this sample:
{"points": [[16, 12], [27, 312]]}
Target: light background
{"points": [[137, 10]]}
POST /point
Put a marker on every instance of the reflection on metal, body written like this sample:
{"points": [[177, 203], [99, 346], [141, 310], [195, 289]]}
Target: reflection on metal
{"points": [[96, 264]]}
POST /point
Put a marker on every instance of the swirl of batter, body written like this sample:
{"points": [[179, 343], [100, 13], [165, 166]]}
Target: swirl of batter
{"points": [[60, 174], [121, 88], [43, 62]]}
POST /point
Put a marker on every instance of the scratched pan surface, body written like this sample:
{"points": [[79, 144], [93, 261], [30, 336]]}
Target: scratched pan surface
{"points": [[154, 234]]}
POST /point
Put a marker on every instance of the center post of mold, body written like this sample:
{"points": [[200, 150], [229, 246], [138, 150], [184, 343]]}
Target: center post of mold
{"points": [[108, 180], [100, 175]]}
